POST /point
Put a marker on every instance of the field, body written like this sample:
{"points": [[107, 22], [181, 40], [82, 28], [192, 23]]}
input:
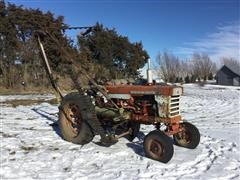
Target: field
{"points": [[31, 147]]}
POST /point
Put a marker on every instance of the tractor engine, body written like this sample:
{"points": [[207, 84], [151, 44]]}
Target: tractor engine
{"points": [[147, 104]]}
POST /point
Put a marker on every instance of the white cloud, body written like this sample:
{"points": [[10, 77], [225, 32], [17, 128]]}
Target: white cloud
{"points": [[223, 43]]}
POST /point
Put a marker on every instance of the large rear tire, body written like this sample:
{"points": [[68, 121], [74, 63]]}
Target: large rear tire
{"points": [[188, 137], [74, 112], [158, 146]]}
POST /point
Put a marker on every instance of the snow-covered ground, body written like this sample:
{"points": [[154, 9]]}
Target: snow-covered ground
{"points": [[31, 147]]}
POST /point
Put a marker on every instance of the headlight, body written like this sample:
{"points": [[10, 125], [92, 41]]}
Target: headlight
{"points": [[177, 91]]}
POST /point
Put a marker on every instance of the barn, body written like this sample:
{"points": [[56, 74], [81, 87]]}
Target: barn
{"points": [[228, 75]]}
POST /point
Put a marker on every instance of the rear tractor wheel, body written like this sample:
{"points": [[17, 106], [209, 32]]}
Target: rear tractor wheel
{"points": [[74, 111], [158, 146], [188, 137]]}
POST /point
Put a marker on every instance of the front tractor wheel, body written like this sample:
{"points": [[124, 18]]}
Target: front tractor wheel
{"points": [[188, 137], [158, 146], [73, 113]]}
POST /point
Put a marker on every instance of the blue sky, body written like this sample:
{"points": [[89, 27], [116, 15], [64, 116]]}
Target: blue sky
{"points": [[178, 26]]}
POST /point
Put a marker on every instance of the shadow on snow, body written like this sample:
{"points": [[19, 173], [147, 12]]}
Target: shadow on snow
{"points": [[49, 116], [137, 146]]}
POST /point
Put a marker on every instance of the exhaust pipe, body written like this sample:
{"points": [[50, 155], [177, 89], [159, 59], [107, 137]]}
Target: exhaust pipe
{"points": [[149, 73]]}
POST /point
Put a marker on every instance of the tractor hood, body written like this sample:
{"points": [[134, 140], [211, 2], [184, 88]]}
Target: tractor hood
{"points": [[144, 90]]}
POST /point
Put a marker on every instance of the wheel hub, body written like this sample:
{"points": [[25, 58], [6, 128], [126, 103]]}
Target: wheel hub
{"points": [[155, 148], [184, 136], [74, 118]]}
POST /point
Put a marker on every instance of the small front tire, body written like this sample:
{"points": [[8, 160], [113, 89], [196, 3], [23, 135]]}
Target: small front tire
{"points": [[158, 146], [188, 137]]}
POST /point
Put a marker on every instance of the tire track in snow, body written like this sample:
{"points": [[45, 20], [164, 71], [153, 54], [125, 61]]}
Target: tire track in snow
{"points": [[206, 105], [212, 150], [211, 106], [65, 160]]}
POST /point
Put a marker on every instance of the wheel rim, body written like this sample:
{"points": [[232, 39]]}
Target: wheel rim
{"points": [[156, 149], [184, 137], [73, 118]]}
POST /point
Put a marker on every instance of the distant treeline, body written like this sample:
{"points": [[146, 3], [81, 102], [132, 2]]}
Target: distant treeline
{"points": [[103, 53], [199, 67]]}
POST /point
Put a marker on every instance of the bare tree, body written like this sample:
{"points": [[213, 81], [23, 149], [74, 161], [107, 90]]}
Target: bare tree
{"points": [[171, 69], [230, 62], [168, 67], [195, 66], [207, 66], [202, 66], [184, 68]]}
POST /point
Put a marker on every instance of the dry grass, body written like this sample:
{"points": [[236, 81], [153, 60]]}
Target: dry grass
{"points": [[28, 102]]}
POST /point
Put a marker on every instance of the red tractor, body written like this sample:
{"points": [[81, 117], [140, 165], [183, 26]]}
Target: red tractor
{"points": [[120, 113], [115, 111]]}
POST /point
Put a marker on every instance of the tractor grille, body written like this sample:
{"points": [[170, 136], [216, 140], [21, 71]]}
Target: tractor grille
{"points": [[174, 106]]}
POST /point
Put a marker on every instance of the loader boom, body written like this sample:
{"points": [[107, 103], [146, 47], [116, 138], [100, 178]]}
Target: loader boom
{"points": [[48, 69]]}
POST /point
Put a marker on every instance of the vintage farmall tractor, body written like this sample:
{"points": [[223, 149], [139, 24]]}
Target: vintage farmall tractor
{"points": [[114, 111]]}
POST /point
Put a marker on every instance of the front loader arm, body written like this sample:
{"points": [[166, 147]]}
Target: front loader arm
{"points": [[48, 68]]}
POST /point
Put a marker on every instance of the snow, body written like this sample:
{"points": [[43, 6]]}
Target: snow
{"points": [[25, 97], [31, 147]]}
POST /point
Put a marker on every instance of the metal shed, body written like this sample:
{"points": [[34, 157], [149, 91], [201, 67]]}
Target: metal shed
{"points": [[228, 75]]}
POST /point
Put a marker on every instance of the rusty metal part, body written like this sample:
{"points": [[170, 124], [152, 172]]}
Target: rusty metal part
{"points": [[173, 129], [120, 124], [155, 149], [48, 69], [154, 120], [101, 89], [184, 135], [141, 90], [124, 134], [73, 116], [172, 123]]}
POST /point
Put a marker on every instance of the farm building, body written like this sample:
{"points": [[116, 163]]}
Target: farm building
{"points": [[228, 75]]}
